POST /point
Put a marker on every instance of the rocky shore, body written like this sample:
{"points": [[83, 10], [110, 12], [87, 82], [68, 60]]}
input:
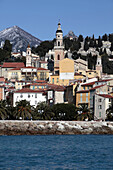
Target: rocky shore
{"points": [[13, 127]]}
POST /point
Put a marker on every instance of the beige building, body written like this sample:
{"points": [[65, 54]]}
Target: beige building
{"points": [[8, 66], [66, 73], [14, 74]]}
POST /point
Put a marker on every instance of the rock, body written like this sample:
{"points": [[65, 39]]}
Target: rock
{"points": [[54, 127]]}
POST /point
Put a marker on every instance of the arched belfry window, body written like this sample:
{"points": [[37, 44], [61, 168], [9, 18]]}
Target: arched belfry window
{"points": [[28, 52], [58, 43], [58, 57]]}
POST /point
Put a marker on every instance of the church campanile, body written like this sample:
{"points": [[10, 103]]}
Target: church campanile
{"points": [[58, 48], [28, 57]]}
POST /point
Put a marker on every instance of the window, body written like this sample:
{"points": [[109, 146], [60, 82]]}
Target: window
{"points": [[58, 57], [58, 43], [87, 99], [57, 80], [28, 52], [35, 102], [42, 76], [83, 88], [28, 95], [89, 73], [6, 69], [99, 114], [53, 80], [86, 94], [80, 97], [21, 96], [99, 100], [35, 95], [99, 106]]}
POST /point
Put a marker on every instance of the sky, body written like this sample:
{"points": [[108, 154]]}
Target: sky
{"points": [[40, 17]]}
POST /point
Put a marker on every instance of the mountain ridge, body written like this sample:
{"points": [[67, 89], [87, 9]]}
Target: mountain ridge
{"points": [[18, 38]]}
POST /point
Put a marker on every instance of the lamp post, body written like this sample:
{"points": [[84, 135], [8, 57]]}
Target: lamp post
{"points": [[62, 115]]}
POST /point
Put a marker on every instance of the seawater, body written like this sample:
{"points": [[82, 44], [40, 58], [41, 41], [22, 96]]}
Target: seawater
{"points": [[56, 152]]}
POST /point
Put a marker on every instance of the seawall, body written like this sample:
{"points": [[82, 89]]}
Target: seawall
{"points": [[14, 127]]}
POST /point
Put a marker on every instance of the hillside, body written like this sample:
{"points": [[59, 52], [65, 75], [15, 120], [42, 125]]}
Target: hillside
{"points": [[18, 38]]}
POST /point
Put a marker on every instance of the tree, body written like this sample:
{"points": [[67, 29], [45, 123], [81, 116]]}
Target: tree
{"points": [[84, 112], [99, 42], [43, 48], [91, 44], [111, 46], [111, 37], [93, 38], [105, 37], [87, 39], [5, 53], [109, 113], [64, 111], [68, 43], [7, 46], [23, 109], [4, 113], [43, 112], [86, 46], [80, 38]]}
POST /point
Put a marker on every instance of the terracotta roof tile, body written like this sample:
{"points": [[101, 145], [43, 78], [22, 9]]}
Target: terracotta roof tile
{"points": [[40, 68], [105, 95], [88, 84], [27, 90], [96, 87], [82, 91], [13, 65]]}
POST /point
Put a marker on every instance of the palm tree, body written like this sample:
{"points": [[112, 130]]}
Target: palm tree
{"points": [[84, 112], [23, 109], [43, 112], [4, 113], [109, 113]]}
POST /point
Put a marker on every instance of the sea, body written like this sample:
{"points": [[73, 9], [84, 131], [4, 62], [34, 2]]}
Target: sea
{"points": [[59, 152]]}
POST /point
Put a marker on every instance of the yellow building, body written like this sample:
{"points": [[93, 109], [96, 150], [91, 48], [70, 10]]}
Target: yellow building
{"points": [[19, 84], [14, 73], [66, 73], [42, 74], [83, 96], [92, 73]]}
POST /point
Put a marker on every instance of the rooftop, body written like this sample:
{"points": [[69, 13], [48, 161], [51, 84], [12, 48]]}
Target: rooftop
{"points": [[13, 65]]}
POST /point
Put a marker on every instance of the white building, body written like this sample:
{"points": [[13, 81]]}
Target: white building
{"points": [[33, 96], [102, 103]]}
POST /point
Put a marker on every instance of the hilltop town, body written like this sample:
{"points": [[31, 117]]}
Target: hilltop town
{"points": [[61, 77]]}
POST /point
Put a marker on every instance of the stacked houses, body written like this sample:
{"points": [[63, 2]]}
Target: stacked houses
{"points": [[70, 81]]}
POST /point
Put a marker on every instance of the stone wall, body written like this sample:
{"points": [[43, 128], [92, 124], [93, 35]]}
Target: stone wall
{"points": [[54, 127]]}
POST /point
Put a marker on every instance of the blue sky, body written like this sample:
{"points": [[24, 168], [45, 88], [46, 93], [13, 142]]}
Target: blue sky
{"points": [[40, 17]]}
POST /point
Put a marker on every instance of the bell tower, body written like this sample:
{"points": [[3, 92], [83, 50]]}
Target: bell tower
{"points": [[99, 65], [28, 57], [58, 48]]}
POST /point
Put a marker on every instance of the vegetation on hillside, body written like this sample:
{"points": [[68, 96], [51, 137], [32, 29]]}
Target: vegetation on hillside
{"points": [[23, 110]]}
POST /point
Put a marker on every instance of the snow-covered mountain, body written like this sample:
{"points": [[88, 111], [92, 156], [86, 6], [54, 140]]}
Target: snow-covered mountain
{"points": [[18, 38]]}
